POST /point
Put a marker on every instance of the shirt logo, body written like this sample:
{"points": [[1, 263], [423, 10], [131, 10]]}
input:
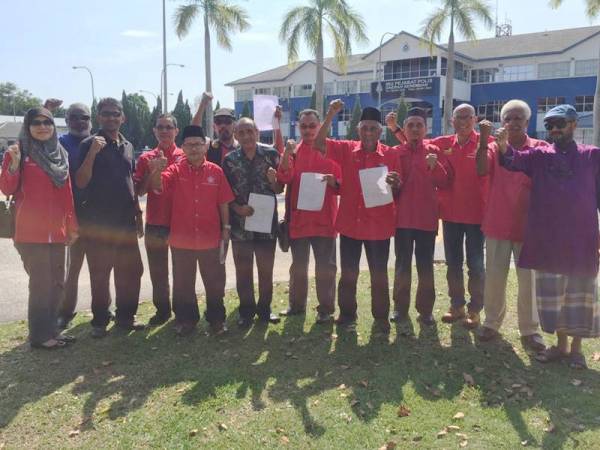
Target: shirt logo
{"points": [[210, 179]]}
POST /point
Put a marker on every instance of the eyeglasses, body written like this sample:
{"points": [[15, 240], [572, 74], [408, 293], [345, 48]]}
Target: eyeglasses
{"points": [[165, 127], [560, 124], [310, 126], [114, 114], [79, 117], [463, 117], [39, 123], [197, 145], [223, 121]]}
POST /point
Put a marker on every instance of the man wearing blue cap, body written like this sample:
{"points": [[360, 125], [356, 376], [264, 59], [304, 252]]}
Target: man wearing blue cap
{"points": [[561, 236]]}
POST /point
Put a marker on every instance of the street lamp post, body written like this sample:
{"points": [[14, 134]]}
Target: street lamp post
{"points": [[91, 78], [163, 79], [380, 71], [163, 83]]}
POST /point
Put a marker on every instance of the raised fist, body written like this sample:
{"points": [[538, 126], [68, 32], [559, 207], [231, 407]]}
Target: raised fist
{"points": [[98, 143], [271, 175], [485, 128], [502, 139], [290, 146], [431, 160], [15, 156], [336, 106], [391, 120]]}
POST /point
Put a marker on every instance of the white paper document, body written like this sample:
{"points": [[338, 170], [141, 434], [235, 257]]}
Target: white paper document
{"points": [[262, 219], [264, 108], [312, 191], [376, 192]]}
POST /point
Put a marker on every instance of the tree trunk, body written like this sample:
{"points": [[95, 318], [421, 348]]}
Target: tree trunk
{"points": [[596, 118], [207, 68], [449, 91], [319, 85]]}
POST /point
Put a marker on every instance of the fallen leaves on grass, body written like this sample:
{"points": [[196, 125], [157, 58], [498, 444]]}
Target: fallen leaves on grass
{"points": [[341, 387], [459, 415], [453, 428], [596, 357], [193, 432], [391, 445], [551, 428], [364, 383], [285, 440], [403, 411], [106, 363], [442, 433], [575, 382], [222, 427], [463, 444], [74, 433]]}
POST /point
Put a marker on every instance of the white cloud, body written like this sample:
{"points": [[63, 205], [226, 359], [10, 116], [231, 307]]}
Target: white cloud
{"points": [[138, 33]]}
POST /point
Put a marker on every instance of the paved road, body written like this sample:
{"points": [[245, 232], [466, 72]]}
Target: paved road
{"points": [[13, 280]]}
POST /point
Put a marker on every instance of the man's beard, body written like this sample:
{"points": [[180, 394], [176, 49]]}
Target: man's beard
{"points": [[82, 134]]}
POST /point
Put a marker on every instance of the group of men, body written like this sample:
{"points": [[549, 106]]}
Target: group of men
{"points": [[199, 195]]}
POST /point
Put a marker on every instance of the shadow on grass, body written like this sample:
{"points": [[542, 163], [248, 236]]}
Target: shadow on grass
{"points": [[299, 363]]}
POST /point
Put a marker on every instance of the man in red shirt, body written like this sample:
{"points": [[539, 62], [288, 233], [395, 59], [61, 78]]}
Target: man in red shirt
{"points": [[158, 213], [199, 230], [417, 215], [461, 210], [357, 223], [504, 226], [310, 227]]}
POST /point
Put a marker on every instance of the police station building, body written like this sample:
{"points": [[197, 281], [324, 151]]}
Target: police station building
{"points": [[544, 69]]}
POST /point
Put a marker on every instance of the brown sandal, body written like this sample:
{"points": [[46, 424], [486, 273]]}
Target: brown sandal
{"points": [[551, 354]]}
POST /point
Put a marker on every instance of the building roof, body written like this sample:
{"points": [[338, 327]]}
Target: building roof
{"points": [[60, 122], [519, 45], [10, 130]]}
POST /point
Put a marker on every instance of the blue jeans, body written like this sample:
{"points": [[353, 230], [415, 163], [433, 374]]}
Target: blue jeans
{"points": [[454, 236]]}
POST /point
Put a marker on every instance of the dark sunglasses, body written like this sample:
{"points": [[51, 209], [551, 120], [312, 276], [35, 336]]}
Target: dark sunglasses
{"points": [[79, 117], [560, 124], [39, 123], [165, 127], [223, 121], [114, 114], [311, 126]]}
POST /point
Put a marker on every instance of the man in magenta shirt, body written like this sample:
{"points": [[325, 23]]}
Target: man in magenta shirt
{"points": [[503, 226], [360, 225], [158, 214], [311, 228]]}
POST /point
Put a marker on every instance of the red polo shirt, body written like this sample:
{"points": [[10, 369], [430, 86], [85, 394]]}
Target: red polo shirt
{"points": [[417, 204], [195, 193], [310, 223], [158, 209], [508, 201], [463, 201], [354, 219], [44, 212]]}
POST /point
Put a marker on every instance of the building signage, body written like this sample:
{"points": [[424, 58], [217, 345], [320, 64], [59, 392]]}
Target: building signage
{"points": [[410, 87]]}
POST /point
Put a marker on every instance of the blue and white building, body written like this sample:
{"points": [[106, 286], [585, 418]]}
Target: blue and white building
{"points": [[544, 69]]}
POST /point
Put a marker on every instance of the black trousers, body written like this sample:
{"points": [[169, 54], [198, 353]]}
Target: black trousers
{"points": [[76, 252], [185, 303], [45, 265], [454, 236], [423, 244], [377, 256], [157, 248], [325, 270], [121, 253], [243, 257]]}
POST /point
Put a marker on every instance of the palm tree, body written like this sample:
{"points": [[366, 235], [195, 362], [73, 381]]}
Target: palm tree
{"points": [[224, 18], [461, 14], [592, 10], [337, 18]]}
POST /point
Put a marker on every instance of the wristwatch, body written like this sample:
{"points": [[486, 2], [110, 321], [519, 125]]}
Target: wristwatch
{"points": [[227, 227]]}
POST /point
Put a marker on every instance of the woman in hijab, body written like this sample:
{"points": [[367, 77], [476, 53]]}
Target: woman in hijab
{"points": [[36, 172]]}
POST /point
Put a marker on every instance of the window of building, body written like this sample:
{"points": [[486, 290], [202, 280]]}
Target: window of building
{"points": [[346, 87], [584, 103], [345, 114], [461, 71], [262, 91], [518, 73], [243, 95], [328, 88], [554, 70], [365, 85], [409, 68], [586, 67], [303, 90], [490, 111], [484, 75], [544, 104], [282, 91]]}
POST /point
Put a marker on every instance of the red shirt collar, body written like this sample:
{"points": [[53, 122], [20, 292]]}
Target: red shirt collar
{"points": [[473, 137], [169, 151]]}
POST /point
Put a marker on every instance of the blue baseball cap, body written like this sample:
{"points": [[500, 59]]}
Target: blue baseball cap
{"points": [[566, 112]]}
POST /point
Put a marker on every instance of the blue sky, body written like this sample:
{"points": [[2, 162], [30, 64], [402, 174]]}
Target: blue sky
{"points": [[121, 42]]}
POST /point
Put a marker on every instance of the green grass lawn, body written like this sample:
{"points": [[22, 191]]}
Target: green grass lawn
{"points": [[295, 385]]}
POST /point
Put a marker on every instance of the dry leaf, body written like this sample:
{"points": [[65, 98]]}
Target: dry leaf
{"points": [[193, 432], [459, 415], [453, 428], [468, 379], [551, 428], [479, 369], [596, 356], [463, 436], [222, 427], [285, 440], [442, 433], [180, 390], [391, 445], [576, 382], [279, 430], [106, 363], [463, 444], [524, 443], [354, 402], [403, 411], [364, 383], [342, 386], [74, 433], [344, 367]]}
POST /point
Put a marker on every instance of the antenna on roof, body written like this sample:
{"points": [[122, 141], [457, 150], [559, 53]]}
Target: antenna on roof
{"points": [[505, 28]]}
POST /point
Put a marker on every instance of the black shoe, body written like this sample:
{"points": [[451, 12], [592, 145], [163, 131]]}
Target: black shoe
{"points": [[158, 319], [533, 342], [99, 332], [324, 318], [345, 320], [130, 326], [244, 322], [485, 334], [65, 338], [62, 323], [292, 312], [381, 326], [184, 329], [270, 318], [218, 328], [398, 317], [426, 319]]}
